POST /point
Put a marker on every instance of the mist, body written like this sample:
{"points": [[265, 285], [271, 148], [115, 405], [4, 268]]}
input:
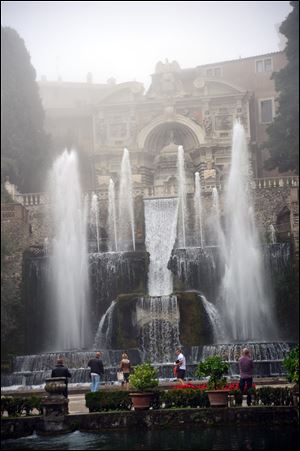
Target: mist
{"points": [[125, 40]]}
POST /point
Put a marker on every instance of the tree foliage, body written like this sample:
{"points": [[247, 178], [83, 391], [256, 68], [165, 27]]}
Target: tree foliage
{"points": [[283, 142], [24, 144]]}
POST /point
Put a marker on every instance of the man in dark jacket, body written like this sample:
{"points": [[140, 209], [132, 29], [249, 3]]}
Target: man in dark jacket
{"points": [[96, 366], [61, 371]]}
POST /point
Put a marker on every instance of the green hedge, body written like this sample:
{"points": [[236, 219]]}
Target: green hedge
{"points": [[120, 400], [17, 406], [103, 401], [183, 398], [273, 396], [108, 400], [186, 398], [236, 398]]}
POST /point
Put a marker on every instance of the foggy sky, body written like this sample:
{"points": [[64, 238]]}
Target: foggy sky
{"points": [[126, 39]]}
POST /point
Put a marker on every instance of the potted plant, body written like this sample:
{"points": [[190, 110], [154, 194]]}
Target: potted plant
{"points": [[143, 380], [291, 363], [215, 368]]}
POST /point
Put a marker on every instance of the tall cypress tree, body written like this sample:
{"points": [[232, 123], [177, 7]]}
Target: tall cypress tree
{"points": [[24, 144], [283, 142]]}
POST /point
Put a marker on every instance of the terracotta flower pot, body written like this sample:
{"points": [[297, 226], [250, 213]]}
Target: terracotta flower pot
{"points": [[141, 401], [218, 398]]}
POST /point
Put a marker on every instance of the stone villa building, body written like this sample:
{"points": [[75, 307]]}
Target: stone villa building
{"points": [[194, 108]]}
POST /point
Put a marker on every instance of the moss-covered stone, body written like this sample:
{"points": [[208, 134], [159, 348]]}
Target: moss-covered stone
{"points": [[125, 332], [194, 325]]}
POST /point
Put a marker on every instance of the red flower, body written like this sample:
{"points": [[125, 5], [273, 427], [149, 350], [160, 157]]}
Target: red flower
{"points": [[232, 386]]}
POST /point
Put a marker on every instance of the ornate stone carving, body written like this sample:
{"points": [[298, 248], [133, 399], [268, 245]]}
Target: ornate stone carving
{"points": [[207, 124], [223, 122], [167, 67], [209, 174], [167, 80], [199, 83]]}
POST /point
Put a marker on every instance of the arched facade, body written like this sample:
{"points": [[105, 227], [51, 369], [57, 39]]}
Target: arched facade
{"points": [[182, 130], [195, 108]]}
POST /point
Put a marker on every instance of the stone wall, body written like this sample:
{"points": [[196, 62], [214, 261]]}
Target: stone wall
{"points": [[158, 419], [15, 236], [21, 228], [268, 202]]}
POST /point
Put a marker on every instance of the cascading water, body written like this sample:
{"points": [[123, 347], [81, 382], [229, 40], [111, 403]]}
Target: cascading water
{"points": [[46, 245], [198, 212], [267, 357], [259, 351], [160, 223], [112, 220], [277, 258], [104, 332], [219, 237], [215, 320], [158, 314], [126, 212], [247, 307], [69, 261], [182, 213], [95, 219], [32, 370], [113, 273], [158, 318], [273, 234]]}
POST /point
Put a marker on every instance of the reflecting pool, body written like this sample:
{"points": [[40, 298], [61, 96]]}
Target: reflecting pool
{"points": [[221, 438]]}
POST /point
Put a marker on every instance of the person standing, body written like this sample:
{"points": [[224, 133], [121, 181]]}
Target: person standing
{"points": [[246, 373], [61, 371], [125, 367], [181, 365], [97, 370]]}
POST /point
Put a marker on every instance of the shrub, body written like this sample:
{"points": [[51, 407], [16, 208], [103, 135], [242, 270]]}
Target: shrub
{"points": [[291, 363], [237, 396], [187, 397], [215, 368], [144, 377], [35, 402], [101, 401], [274, 396], [16, 405]]}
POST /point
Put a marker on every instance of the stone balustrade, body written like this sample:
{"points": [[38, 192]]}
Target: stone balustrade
{"points": [[33, 199], [276, 182]]}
